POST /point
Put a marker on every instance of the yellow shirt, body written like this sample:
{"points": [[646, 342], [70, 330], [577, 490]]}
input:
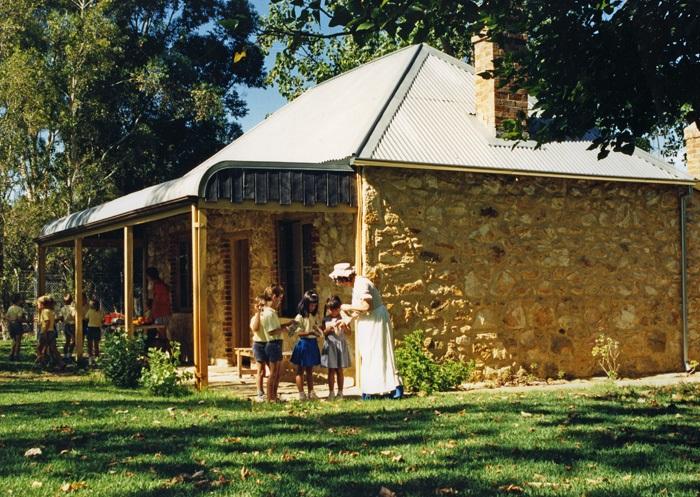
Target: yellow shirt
{"points": [[47, 319], [68, 314], [14, 313], [270, 321], [259, 335], [94, 318], [307, 324]]}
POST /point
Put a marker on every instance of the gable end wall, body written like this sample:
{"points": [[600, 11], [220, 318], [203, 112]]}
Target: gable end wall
{"points": [[528, 270]]}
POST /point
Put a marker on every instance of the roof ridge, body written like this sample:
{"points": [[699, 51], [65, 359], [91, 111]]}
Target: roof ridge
{"points": [[393, 103]]}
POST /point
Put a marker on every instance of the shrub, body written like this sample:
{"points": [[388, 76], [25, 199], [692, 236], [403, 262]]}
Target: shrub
{"points": [[161, 377], [607, 351], [422, 373], [122, 358]]}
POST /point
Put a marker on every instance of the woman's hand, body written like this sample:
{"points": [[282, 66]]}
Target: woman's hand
{"points": [[346, 307]]}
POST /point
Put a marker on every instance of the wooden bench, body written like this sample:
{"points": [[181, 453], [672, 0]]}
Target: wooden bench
{"points": [[242, 352]]}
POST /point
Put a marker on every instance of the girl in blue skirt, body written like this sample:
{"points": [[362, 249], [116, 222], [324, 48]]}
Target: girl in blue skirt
{"points": [[306, 353]]}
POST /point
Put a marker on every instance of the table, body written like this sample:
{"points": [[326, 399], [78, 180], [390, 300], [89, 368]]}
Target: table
{"points": [[242, 352], [161, 329]]}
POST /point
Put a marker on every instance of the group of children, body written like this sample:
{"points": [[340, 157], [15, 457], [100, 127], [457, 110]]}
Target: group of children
{"points": [[308, 326], [47, 353]]}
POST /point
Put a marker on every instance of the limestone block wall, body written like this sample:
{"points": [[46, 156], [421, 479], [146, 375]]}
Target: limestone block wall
{"points": [[333, 242], [693, 236], [528, 270]]}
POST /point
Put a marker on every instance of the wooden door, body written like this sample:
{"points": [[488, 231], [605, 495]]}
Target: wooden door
{"points": [[241, 292]]}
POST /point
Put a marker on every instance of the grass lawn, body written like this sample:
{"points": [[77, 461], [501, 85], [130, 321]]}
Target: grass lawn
{"points": [[98, 440]]}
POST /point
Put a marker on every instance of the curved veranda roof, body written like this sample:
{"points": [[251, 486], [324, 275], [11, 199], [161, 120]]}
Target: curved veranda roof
{"points": [[414, 106]]}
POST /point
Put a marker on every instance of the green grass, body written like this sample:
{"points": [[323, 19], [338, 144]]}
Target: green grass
{"points": [[601, 442]]}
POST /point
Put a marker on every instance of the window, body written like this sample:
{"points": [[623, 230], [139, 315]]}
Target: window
{"points": [[295, 262]]}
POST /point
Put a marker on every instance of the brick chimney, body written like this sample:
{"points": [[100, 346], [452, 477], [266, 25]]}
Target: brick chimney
{"points": [[691, 136], [494, 102]]}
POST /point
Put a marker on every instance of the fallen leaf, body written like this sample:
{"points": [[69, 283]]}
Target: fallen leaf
{"points": [[385, 452], [73, 486], [385, 492], [511, 488], [197, 474], [171, 411], [37, 484], [245, 473], [33, 452], [232, 440], [397, 458], [446, 491], [124, 411], [525, 414]]}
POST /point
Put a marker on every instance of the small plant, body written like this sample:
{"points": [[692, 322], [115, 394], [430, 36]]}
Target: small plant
{"points": [[422, 373], [693, 367], [561, 375], [607, 352], [162, 377], [122, 358]]}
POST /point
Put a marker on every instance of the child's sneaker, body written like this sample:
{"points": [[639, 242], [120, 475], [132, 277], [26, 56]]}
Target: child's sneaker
{"points": [[302, 396], [312, 395], [331, 395], [339, 396], [260, 397]]}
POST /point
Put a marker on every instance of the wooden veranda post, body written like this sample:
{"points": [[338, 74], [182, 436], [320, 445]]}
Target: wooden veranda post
{"points": [[199, 297], [41, 271], [78, 300], [129, 279], [359, 247]]}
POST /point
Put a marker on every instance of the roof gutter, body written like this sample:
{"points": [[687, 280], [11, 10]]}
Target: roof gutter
{"points": [[139, 216], [684, 198], [516, 172]]}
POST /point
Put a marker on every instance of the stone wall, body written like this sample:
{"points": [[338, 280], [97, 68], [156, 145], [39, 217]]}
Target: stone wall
{"points": [[160, 237], [693, 236], [528, 270], [334, 241]]}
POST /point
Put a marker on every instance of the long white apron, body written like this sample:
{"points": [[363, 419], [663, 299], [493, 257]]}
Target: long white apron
{"points": [[378, 373]]}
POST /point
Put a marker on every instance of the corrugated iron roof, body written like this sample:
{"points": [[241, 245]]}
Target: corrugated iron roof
{"points": [[436, 124], [415, 106]]}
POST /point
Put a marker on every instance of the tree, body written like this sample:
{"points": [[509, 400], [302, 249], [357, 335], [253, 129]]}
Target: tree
{"points": [[627, 69], [100, 98]]}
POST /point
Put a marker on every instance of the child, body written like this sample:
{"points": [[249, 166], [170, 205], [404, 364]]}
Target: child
{"points": [[68, 317], [270, 324], [47, 350], [306, 354], [15, 317], [336, 354], [94, 329], [260, 340]]}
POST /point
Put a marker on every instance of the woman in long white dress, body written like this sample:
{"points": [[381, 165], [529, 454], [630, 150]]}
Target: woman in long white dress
{"points": [[374, 341]]}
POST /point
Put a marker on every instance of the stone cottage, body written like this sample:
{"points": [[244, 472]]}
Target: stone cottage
{"points": [[501, 253]]}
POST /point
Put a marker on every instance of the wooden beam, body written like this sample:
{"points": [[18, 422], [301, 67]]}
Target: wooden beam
{"points": [[227, 205], [199, 322], [359, 250], [116, 225], [41, 271], [129, 279], [203, 292], [78, 298]]}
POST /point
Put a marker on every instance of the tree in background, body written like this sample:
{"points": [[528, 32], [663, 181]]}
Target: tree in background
{"points": [[99, 98], [627, 69]]}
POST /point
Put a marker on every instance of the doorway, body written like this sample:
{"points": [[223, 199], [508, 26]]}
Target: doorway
{"points": [[240, 292]]}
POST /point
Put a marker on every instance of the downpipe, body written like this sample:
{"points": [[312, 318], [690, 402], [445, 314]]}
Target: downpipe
{"points": [[684, 198]]}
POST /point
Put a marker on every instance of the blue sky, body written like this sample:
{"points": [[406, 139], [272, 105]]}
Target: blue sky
{"points": [[261, 101]]}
